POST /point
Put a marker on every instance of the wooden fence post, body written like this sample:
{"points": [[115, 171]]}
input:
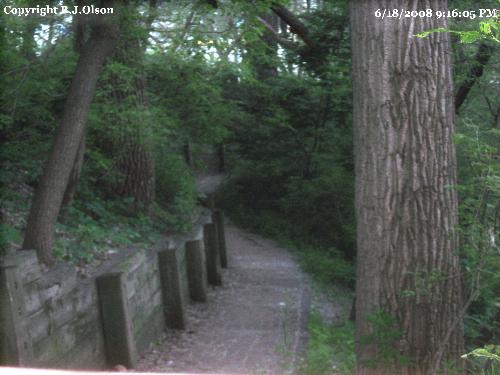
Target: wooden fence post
{"points": [[212, 254], [172, 286], [118, 335], [197, 270], [218, 219]]}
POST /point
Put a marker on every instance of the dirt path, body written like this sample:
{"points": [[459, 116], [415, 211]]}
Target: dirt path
{"points": [[254, 324]]}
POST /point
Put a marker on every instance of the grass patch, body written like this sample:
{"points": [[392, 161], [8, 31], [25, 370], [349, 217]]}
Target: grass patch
{"points": [[326, 266], [330, 349]]}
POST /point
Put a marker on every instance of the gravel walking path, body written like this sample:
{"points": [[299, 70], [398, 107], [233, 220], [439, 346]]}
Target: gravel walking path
{"points": [[256, 323]]}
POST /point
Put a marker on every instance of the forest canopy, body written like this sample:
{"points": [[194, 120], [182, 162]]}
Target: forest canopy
{"points": [[108, 117]]}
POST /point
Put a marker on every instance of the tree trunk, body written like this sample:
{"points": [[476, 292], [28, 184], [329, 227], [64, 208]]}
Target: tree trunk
{"points": [[135, 151], [408, 275], [49, 194], [74, 176], [138, 169]]}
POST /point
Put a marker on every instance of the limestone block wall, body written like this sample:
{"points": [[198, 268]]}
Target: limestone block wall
{"points": [[56, 318]]}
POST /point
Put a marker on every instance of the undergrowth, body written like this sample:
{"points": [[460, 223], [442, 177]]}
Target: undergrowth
{"points": [[330, 349], [88, 229]]}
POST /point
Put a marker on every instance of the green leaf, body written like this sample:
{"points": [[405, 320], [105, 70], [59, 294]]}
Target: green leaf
{"points": [[485, 27], [424, 34], [470, 36]]}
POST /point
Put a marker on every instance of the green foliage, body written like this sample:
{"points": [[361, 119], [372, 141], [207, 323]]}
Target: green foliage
{"points": [[31, 98], [288, 138], [175, 191], [291, 151], [385, 334], [295, 159], [329, 27], [8, 235], [327, 266], [92, 227], [330, 348], [478, 151], [485, 361], [193, 102], [484, 30]]}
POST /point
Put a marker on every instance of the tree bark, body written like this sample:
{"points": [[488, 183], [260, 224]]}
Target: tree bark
{"points": [[49, 194], [74, 176], [406, 212], [135, 151], [138, 168]]}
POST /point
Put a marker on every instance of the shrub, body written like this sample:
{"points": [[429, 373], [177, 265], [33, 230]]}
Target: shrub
{"points": [[175, 190]]}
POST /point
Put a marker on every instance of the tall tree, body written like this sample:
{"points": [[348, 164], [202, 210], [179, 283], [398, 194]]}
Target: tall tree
{"points": [[133, 146], [50, 191], [408, 294], [74, 177]]}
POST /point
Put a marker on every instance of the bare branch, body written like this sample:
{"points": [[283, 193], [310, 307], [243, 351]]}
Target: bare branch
{"points": [[283, 41], [296, 25]]}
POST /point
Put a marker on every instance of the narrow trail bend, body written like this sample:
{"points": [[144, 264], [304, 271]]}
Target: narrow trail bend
{"points": [[256, 323]]}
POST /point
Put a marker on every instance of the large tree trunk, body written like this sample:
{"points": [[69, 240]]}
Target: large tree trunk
{"points": [[132, 144], [74, 176], [137, 166], [49, 194], [135, 151], [408, 276], [135, 155]]}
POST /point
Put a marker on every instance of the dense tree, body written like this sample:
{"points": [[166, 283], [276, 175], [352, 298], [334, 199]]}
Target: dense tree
{"points": [[408, 274]]}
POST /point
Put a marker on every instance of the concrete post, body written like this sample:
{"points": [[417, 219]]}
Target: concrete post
{"points": [[212, 254], [197, 270], [117, 326]]}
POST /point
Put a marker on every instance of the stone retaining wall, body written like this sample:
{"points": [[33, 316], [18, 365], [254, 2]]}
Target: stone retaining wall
{"points": [[55, 318]]}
